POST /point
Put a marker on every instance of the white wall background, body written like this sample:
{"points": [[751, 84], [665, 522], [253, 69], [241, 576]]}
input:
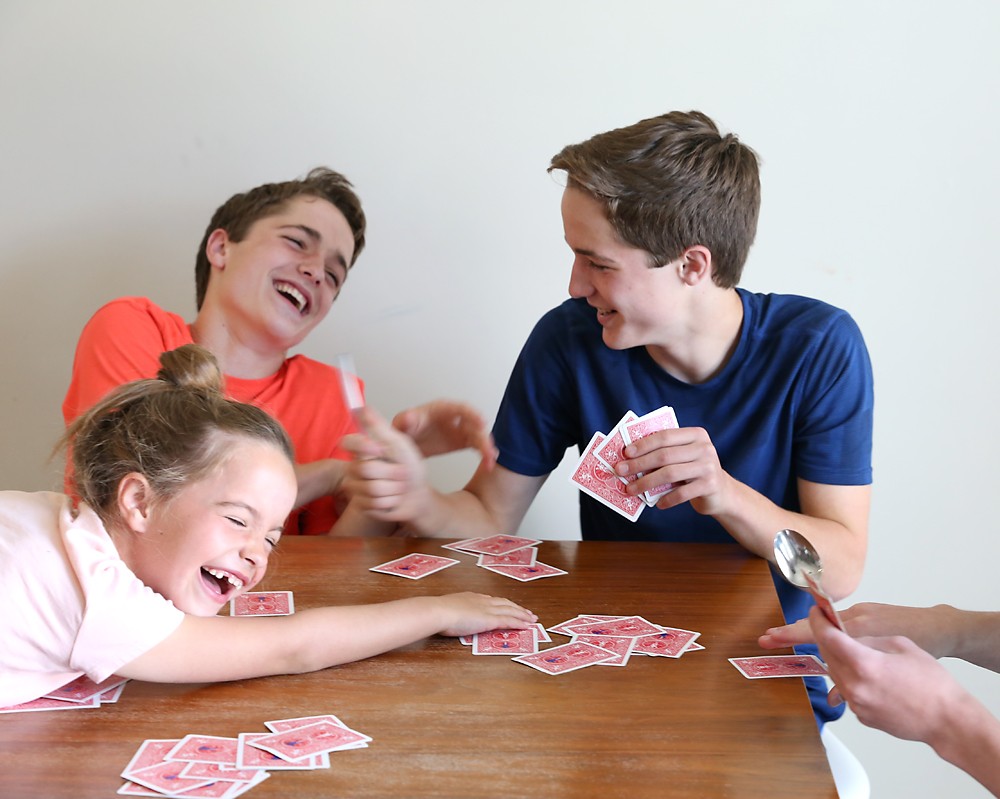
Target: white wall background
{"points": [[123, 125]]}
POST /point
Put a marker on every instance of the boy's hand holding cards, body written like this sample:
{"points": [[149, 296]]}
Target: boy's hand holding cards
{"points": [[595, 472]]}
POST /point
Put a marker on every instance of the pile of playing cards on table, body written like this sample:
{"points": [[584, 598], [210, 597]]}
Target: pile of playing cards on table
{"points": [[211, 766], [509, 555], [595, 471], [595, 640], [81, 693]]}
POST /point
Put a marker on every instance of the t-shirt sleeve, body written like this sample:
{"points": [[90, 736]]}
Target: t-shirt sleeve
{"points": [[538, 415], [121, 342], [122, 617], [834, 438]]}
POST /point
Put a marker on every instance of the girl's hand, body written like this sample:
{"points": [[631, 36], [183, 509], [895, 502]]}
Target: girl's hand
{"points": [[468, 613]]}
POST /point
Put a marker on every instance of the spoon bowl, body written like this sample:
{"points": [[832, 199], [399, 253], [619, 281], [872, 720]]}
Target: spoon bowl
{"points": [[800, 565]]}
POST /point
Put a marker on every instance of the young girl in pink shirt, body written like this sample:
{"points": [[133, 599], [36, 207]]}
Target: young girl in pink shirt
{"points": [[183, 497]]}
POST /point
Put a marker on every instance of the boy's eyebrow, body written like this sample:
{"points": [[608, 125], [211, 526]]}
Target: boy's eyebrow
{"points": [[591, 254], [316, 238]]}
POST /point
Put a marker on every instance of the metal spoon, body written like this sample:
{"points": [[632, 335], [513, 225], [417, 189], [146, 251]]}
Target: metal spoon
{"points": [[801, 566]]}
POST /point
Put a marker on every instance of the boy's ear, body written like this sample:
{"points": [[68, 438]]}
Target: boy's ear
{"points": [[696, 265], [217, 248], [135, 497]]}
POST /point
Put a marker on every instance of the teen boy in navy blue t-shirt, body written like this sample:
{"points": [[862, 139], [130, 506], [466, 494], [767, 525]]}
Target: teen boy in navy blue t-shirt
{"points": [[773, 393]]}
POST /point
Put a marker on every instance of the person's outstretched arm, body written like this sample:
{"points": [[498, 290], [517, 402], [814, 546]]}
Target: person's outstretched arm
{"points": [[220, 648], [941, 630], [894, 685]]}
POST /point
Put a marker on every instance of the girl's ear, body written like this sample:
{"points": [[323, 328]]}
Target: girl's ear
{"points": [[135, 496]]}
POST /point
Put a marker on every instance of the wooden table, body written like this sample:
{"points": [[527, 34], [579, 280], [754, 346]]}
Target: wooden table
{"points": [[446, 723]]}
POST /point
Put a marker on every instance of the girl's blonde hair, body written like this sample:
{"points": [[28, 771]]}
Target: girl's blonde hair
{"points": [[173, 429]]}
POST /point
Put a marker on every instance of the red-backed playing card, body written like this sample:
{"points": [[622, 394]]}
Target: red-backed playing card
{"points": [[621, 647], [669, 643], [565, 658], [597, 481], [500, 544], [263, 603], [505, 642], [526, 556], [313, 739], [628, 627], [757, 668], [526, 574], [414, 566]]}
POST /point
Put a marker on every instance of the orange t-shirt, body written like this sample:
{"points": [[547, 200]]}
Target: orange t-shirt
{"points": [[123, 342]]}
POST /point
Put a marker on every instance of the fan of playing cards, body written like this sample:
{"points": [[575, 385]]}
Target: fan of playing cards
{"points": [[595, 472]]}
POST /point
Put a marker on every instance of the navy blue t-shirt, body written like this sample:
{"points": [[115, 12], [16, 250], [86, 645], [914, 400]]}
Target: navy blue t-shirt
{"points": [[795, 400]]}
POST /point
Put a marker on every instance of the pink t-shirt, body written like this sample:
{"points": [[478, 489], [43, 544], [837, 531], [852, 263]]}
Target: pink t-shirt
{"points": [[70, 604]]}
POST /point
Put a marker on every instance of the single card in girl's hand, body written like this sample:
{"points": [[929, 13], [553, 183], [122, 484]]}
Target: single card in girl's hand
{"points": [[414, 566], [263, 603], [758, 668]]}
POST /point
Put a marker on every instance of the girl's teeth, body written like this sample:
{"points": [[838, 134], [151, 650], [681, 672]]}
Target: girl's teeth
{"points": [[233, 581]]}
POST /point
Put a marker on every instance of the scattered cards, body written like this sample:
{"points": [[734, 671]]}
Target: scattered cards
{"points": [[213, 766], [80, 693], [595, 641], [509, 555], [595, 471]]}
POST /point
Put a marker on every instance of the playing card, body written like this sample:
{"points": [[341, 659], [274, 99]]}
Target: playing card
{"points": [[460, 546], [505, 642], [280, 725], [217, 771], [561, 627], [414, 566], [610, 450], [166, 777], [205, 749], [525, 556], [757, 668], [621, 647], [83, 689], [541, 634], [313, 739], [112, 695], [627, 627], [249, 757], [660, 419], [597, 481], [526, 574], [500, 544], [263, 603], [564, 658], [150, 752], [44, 703], [668, 643]]}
